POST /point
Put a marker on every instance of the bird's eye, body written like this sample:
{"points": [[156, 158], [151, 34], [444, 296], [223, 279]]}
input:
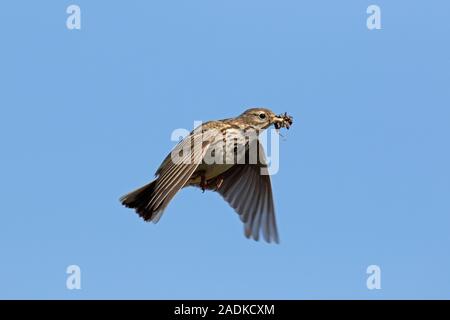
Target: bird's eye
{"points": [[262, 116]]}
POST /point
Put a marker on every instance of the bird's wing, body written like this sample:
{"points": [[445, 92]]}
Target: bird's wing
{"points": [[174, 173], [249, 192]]}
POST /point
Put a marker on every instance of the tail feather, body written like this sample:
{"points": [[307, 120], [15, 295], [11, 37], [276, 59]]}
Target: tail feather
{"points": [[139, 200]]}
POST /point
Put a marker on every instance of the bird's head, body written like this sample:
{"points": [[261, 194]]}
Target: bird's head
{"points": [[262, 118]]}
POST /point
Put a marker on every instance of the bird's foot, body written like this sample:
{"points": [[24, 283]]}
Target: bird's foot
{"points": [[219, 182]]}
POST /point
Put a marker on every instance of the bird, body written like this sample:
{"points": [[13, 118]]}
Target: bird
{"points": [[224, 156]]}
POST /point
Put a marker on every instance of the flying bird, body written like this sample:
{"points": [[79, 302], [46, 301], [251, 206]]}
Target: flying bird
{"points": [[224, 156]]}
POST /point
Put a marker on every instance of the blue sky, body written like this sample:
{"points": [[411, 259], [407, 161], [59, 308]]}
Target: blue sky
{"points": [[86, 115]]}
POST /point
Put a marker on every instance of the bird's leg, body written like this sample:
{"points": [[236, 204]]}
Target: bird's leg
{"points": [[203, 183]]}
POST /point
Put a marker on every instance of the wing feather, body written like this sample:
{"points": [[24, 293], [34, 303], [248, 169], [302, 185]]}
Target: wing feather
{"points": [[174, 173], [249, 192]]}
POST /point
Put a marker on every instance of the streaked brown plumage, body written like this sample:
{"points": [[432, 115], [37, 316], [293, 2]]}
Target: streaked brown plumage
{"points": [[243, 186]]}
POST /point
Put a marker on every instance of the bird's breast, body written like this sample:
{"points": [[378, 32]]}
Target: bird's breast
{"points": [[210, 171]]}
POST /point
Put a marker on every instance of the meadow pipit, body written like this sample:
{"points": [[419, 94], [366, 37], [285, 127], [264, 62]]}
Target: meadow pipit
{"points": [[225, 156]]}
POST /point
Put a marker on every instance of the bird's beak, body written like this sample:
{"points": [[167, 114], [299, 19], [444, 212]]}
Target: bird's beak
{"points": [[276, 120]]}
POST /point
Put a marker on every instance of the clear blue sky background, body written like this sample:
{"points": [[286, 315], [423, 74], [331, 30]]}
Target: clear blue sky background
{"points": [[87, 116]]}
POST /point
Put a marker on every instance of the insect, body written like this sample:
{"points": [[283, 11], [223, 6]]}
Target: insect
{"points": [[286, 122]]}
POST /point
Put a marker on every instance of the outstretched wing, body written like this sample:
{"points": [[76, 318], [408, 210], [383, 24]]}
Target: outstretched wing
{"points": [[249, 192], [175, 171]]}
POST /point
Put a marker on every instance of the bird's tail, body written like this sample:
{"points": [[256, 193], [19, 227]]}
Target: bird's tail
{"points": [[139, 200]]}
